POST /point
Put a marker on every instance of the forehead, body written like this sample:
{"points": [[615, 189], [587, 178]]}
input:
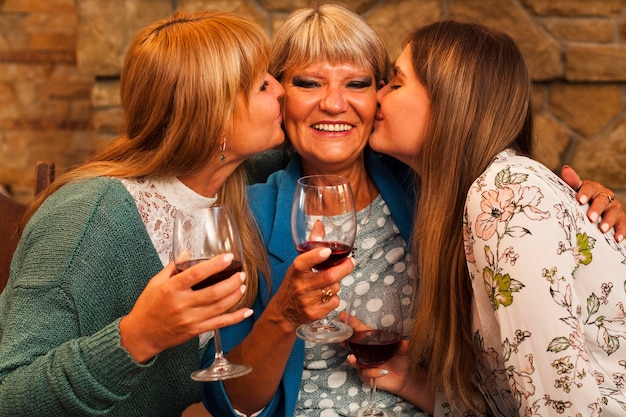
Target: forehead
{"points": [[323, 67]]}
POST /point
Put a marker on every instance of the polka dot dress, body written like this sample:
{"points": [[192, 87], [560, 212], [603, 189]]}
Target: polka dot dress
{"points": [[329, 386]]}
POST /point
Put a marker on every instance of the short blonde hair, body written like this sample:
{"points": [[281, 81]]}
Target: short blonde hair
{"points": [[329, 33]]}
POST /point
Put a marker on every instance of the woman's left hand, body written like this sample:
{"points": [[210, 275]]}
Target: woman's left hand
{"points": [[602, 202], [392, 375], [397, 377]]}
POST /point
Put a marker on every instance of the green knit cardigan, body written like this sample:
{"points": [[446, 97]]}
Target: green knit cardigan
{"points": [[83, 260]]}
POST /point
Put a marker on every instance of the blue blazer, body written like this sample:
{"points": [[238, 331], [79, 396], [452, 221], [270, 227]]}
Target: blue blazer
{"points": [[271, 204]]}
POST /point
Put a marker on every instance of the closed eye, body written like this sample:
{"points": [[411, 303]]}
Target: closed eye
{"points": [[360, 84], [304, 82]]}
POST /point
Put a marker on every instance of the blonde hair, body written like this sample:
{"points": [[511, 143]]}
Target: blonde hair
{"points": [[329, 33], [479, 89], [179, 87]]}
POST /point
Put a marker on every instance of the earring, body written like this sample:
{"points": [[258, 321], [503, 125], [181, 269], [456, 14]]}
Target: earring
{"points": [[222, 149]]}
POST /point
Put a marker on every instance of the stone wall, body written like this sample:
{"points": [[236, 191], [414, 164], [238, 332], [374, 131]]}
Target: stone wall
{"points": [[61, 105]]}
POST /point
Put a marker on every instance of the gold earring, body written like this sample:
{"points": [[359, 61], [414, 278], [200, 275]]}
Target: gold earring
{"points": [[222, 149]]}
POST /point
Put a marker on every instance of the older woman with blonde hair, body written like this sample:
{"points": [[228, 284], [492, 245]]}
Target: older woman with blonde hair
{"points": [[95, 319]]}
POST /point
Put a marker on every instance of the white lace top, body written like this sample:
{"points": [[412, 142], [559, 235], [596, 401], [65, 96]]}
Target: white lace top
{"points": [[157, 200]]}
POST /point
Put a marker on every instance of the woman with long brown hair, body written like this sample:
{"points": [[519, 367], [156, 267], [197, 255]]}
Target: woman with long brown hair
{"points": [[95, 320], [520, 309]]}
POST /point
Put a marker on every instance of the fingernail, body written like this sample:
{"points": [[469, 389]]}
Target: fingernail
{"points": [[228, 257], [593, 217], [248, 313], [242, 276], [353, 261], [325, 252], [583, 199], [620, 238], [604, 227], [384, 372], [242, 289]]}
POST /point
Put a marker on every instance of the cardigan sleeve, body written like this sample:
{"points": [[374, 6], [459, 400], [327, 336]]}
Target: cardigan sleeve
{"points": [[60, 351]]}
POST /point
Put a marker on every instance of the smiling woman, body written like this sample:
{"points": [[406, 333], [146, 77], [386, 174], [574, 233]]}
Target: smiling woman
{"points": [[331, 63]]}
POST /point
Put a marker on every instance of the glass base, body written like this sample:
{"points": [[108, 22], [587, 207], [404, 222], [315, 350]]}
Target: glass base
{"points": [[372, 411], [220, 372], [324, 331]]}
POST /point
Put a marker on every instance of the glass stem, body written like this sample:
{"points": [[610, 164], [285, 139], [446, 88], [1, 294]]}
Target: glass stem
{"points": [[372, 409], [373, 392], [219, 354]]}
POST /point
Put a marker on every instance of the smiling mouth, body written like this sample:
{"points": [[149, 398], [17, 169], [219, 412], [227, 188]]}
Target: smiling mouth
{"points": [[325, 127]]}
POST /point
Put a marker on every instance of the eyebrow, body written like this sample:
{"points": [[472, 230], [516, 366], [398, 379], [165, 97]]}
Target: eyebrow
{"points": [[398, 71]]}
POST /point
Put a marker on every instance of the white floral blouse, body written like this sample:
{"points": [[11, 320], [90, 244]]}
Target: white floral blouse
{"points": [[549, 296]]}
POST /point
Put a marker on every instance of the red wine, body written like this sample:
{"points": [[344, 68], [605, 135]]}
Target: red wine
{"points": [[235, 266], [374, 347], [339, 252]]}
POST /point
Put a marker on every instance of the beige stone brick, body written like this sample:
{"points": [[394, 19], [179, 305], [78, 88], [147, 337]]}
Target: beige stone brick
{"points": [[541, 51], [596, 63], [584, 30], [574, 8], [394, 20], [551, 141], [603, 159], [587, 108]]}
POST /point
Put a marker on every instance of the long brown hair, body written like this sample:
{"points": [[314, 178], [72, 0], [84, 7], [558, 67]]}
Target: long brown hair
{"points": [[479, 89], [179, 87]]}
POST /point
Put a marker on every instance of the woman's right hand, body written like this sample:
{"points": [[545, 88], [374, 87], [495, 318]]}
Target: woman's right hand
{"points": [[169, 312], [300, 294]]}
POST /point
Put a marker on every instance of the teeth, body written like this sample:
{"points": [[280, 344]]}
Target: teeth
{"points": [[332, 127]]}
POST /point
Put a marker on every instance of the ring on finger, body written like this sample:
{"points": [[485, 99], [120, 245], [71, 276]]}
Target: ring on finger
{"points": [[326, 295], [611, 197]]}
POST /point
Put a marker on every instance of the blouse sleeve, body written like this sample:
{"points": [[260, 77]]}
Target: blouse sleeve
{"points": [[525, 240]]}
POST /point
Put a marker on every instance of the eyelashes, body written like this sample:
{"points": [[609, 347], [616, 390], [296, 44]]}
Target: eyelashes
{"points": [[304, 82]]}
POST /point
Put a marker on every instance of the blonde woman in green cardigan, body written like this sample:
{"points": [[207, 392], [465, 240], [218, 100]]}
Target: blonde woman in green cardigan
{"points": [[95, 320]]}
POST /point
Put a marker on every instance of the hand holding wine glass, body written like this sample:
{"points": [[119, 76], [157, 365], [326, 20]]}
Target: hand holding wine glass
{"points": [[375, 314], [323, 215], [200, 234]]}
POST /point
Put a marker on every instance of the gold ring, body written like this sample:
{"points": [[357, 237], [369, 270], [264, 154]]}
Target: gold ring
{"points": [[609, 196], [326, 295]]}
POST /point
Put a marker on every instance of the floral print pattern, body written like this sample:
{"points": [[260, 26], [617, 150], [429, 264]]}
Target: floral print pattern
{"points": [[549, 296]]}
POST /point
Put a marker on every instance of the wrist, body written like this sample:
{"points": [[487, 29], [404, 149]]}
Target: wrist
{"points": [[137, 348]]}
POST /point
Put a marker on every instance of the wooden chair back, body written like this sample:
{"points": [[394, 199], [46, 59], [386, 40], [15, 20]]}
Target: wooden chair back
{"points": [[11, 212]]}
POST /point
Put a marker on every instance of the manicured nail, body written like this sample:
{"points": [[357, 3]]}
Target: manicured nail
{"points": [[228, 258], [583, 199], [604, 227], [384, 372], [325, 253], [593, 217], [242, 276], [242, 289], [248, 313], [620, 238]]}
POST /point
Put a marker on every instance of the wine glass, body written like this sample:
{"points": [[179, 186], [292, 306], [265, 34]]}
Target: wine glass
{"points": [[201, 233], [375, 313], [323, 215]]}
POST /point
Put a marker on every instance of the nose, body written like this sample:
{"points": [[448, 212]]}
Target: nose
{"points": [[278, 87], [381, 93], [333, 100]]}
